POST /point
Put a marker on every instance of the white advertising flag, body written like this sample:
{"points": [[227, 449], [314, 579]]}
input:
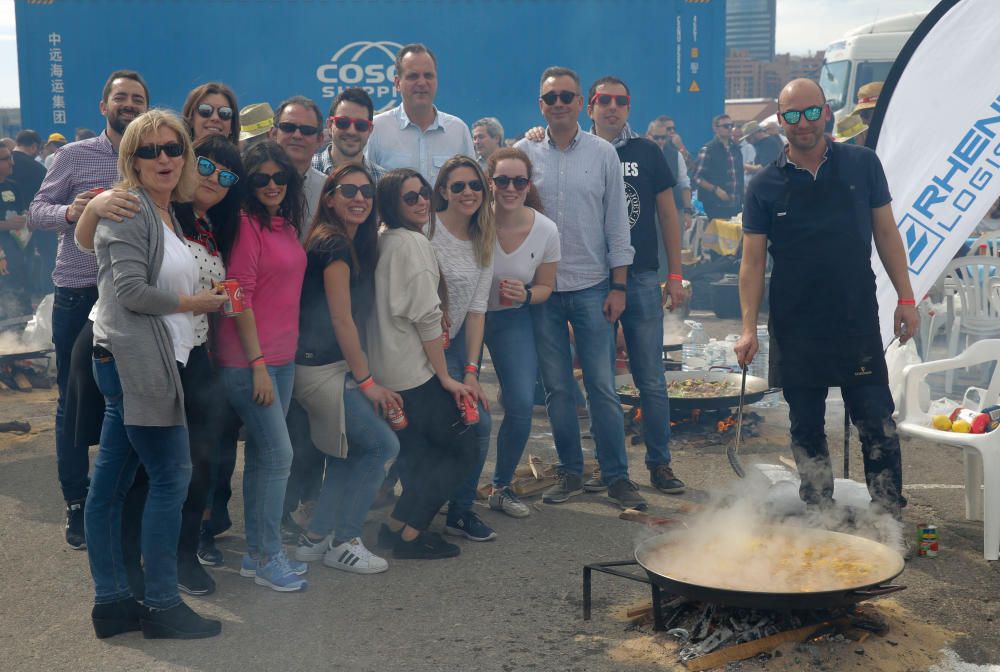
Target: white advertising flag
{"points": [[937, 131]]}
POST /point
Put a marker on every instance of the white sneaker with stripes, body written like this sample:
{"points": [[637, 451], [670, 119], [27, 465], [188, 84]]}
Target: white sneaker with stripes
{"points": [[352, 556]]}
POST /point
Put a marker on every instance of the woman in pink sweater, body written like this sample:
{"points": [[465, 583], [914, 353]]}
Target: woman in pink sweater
{"points": [[256, 353]]}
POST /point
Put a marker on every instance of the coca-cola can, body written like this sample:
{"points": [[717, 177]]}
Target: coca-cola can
{"points": [[470, 412], [397, 419], [234, 304]]}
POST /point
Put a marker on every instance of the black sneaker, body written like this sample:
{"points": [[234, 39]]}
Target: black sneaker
{"points": [[208, 553], [569, 485], [75, 536], [114, 618], [626, 493], [178, 622], [427, 546], [386, 537], [468, 524], [193, 579], [290, 530], [662, 478]]}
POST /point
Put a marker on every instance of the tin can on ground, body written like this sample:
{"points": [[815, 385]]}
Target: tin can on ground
{"points": [[470, 412], [445, 339], [927, 540], [234, 304], [397, 419]]}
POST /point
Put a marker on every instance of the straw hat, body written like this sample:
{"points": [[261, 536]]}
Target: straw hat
{"points": [[868, 96], [255, 119], [849, 127], [751, 127]]}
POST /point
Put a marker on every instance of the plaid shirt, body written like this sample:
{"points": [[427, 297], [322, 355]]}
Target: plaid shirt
{"points": [[77, 167], [722, 166], [322, 162]]}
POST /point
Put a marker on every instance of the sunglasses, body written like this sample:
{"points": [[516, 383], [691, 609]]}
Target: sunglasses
{"points": [[344, 123], [261, 180], [459, 187], [566, 97], [226, 178], [410, 197], [304, 129], [658, 138], [606, 98], [724, 125], [503, 181], [349, 191], [171, 149], [670, 129], [205, 111], [792, 117]]}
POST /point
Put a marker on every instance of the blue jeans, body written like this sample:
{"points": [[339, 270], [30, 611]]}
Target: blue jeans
{"points": [[70, 309], [268, 456], [351, 484], [642, 323], [595, 342], [511, 340], [455, 357], [165, 454]]}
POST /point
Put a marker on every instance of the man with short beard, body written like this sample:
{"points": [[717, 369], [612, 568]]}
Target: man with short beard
{"points": [[819, 206], [77, 170], [350, 126]]}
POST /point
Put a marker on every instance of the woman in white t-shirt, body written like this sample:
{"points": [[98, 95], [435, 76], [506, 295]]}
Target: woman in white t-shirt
{"points": [[462, 236], [524, 273]]}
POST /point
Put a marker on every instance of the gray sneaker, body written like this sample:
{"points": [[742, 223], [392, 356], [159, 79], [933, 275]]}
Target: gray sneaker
{"points": [[595, 484], [569, 485], [626, 493], [505, 500], [663, 479]]}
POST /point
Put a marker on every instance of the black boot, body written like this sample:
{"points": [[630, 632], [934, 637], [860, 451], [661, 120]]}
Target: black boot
{"points": [[114, 618], [178, 622]]}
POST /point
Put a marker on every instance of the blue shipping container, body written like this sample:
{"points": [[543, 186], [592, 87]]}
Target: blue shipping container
{"points": [[490, 53]]}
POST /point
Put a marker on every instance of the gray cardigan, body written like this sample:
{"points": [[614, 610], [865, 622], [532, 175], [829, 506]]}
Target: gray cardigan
{"points": [[129, 256]]}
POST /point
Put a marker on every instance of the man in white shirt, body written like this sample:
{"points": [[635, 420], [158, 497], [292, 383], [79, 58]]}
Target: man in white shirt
{"points": [[415, 134], [298, 127]]}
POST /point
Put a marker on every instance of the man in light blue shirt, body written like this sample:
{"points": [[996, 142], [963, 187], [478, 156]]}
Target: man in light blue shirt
{"points": [[415, 134], [579, 178]]}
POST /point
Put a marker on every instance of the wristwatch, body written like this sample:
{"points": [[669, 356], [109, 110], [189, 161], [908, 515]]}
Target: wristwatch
{"points": [[527, 296], [619, 286], [688, 211]]}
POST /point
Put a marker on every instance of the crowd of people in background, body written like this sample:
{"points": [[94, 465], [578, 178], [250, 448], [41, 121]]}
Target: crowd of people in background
{"points": [[378, 258]]}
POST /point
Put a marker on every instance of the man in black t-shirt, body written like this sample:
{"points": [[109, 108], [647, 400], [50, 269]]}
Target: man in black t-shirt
{"points": [[648, 190]]}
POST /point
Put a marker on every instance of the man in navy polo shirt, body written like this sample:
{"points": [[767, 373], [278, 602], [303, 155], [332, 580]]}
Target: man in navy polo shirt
{"points": [[818, 208], [649, 193]]}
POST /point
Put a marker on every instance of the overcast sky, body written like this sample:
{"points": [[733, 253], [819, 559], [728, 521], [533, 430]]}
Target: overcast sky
{"points": [[803, 26]]}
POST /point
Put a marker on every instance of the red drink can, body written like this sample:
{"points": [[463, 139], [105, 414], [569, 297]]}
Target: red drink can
{"points": [[470, 412], [234, 305], [504, 301], [397, 419], [97, 190], [445, 339]]}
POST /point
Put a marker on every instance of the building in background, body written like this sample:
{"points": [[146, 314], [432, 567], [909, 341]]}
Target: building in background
{"points": [[747, 77], [750, 27], [10, 121]]}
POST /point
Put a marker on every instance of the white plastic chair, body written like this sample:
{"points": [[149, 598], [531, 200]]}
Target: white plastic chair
{"points": [[977, 313], [991, 240], [981, 452], [933, 319]]}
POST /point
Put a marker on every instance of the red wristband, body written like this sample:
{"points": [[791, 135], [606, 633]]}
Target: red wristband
{"points": [[366, 383], [906, 302], [675, 276], [472, 368]]}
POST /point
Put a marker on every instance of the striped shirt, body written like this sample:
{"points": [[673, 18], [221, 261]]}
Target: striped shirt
{"points": [[78, 167], [583, 191], [322, 162]]}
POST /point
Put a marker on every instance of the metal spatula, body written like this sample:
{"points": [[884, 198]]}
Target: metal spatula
{"points": [[734, 448]]}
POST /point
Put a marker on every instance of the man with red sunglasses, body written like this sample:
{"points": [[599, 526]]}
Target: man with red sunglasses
{"points": [[350, 126]]}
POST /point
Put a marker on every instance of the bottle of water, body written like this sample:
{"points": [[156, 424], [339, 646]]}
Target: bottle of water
{"points": [[694, 347], [759, 365]]}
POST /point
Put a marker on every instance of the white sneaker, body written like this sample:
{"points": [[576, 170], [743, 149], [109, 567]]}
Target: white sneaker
{"points": [[352, 556], [505, 500], [309, 550]]}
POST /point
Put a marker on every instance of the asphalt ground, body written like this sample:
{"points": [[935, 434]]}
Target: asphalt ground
{"points": [[510, 604]]}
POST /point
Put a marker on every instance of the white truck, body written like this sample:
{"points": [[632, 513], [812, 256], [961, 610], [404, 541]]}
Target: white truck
{"points": [[865, 54]]}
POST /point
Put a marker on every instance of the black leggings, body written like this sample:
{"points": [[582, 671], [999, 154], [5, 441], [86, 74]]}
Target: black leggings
{"points": [[436, 453]]}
